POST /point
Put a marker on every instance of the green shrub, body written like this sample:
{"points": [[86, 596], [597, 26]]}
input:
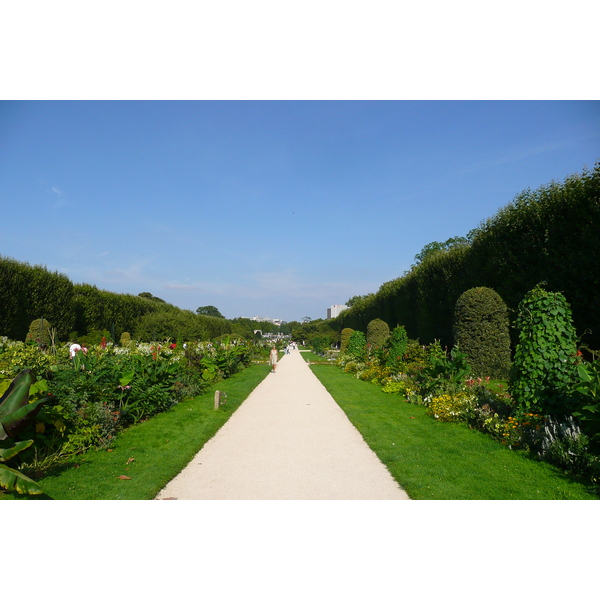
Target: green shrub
{"points": [[345, 338], [39, 332], [125, 339], [94, 337], [320, 343], [544, 369], [452, 407], [357, 345], [398, 341], [378, 333], [440, 373], [481, 332], [19, 356]]}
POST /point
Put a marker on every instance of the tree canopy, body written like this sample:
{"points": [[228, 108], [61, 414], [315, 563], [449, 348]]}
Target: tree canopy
{"points": [[435, 247], [150, 297], [209, 311]]}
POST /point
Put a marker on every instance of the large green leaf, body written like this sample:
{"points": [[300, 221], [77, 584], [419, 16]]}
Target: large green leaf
{"points": [[8, 453], [13, 480], [15, 421], [17, 393]]}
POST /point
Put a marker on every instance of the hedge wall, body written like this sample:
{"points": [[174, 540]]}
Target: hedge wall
{"points": [[28, 293], [549, 234]]}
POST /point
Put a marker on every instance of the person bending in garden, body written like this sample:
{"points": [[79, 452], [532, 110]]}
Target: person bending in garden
{"points": [[273, 359]]}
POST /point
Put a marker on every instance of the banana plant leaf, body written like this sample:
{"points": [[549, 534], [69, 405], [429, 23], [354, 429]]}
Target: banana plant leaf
{"points": [[17, 393], [13, 480], [8, 453], [14, 422], [14, 407]]}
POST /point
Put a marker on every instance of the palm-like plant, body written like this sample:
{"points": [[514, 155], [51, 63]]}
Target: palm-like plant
{"points": [[15, 412]]}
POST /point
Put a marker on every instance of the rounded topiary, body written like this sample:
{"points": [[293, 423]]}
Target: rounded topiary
{"points": [[378, 333], [398, 341], [481, 332], [544, 369], [125, 339], [345, 338], [39, 332], [357, 344]]}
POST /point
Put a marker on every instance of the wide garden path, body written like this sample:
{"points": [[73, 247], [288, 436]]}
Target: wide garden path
{"points": [[288, 441]]}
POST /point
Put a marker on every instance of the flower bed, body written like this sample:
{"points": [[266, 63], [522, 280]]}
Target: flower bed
{"points": [[91, 397]]}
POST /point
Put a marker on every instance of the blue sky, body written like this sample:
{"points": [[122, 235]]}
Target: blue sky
{"points": [[270, 208]]}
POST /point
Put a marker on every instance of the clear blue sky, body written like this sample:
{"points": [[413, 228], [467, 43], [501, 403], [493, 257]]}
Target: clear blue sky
{"points": [[271, 208]]}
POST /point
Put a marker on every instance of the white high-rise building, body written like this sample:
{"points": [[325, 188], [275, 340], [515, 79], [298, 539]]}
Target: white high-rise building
{"points": [[335, 310]]}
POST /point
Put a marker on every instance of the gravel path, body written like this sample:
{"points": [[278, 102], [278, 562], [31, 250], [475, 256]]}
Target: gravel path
{"points": [[288, 441]]}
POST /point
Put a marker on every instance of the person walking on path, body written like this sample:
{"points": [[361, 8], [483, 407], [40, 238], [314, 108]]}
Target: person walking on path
{"points": [[273, 359]]}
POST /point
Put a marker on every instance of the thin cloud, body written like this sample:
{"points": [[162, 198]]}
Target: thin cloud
{"points": [[60, 195]]}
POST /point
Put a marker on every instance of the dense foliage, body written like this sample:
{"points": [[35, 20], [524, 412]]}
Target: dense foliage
{"points": [[378, 333], [544, 370], [40, 332], [87, 400], [398, 342], [440, 380], [322, 328], [481, 332], [357, 344], [345, 338], [28, 293]]}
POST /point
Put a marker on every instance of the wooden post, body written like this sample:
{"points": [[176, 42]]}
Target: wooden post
{"points": [[217, 399]]}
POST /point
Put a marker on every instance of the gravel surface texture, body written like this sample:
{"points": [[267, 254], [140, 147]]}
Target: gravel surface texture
{"points": [[288, 441]]}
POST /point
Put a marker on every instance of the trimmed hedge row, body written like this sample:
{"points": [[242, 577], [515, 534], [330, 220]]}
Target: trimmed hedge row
{"points": [[549, 234], [32, 292], [28, 293]]}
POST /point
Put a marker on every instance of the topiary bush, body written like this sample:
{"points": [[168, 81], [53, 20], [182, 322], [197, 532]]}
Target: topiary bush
{"points": [[357, 345], [39, 332], [378, 333], [125, 339], [544, 369], [481, 332], [345, 338]]}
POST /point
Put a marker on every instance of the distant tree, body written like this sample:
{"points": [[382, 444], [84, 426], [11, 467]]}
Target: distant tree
{"points": [[288, 327], [352, 301], [358, 299], [435, 247], [210, 311], [306, 319], [150, 297]]}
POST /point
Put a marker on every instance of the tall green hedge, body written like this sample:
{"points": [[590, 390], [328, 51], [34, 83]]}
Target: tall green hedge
{"points": [[32, 292], [29, 292], [549, 234]]}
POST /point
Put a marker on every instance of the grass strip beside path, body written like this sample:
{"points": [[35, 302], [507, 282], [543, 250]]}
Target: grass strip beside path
{"points": [[313, 358], [432, 460], [153, 452]]}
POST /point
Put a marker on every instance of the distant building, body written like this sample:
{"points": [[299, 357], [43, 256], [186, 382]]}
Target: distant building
{"points": [[335, 310], [278, 322]]}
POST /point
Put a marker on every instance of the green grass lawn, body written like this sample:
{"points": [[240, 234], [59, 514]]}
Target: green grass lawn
{"points": [[432, 460], [150, 453], [313, 358]]}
